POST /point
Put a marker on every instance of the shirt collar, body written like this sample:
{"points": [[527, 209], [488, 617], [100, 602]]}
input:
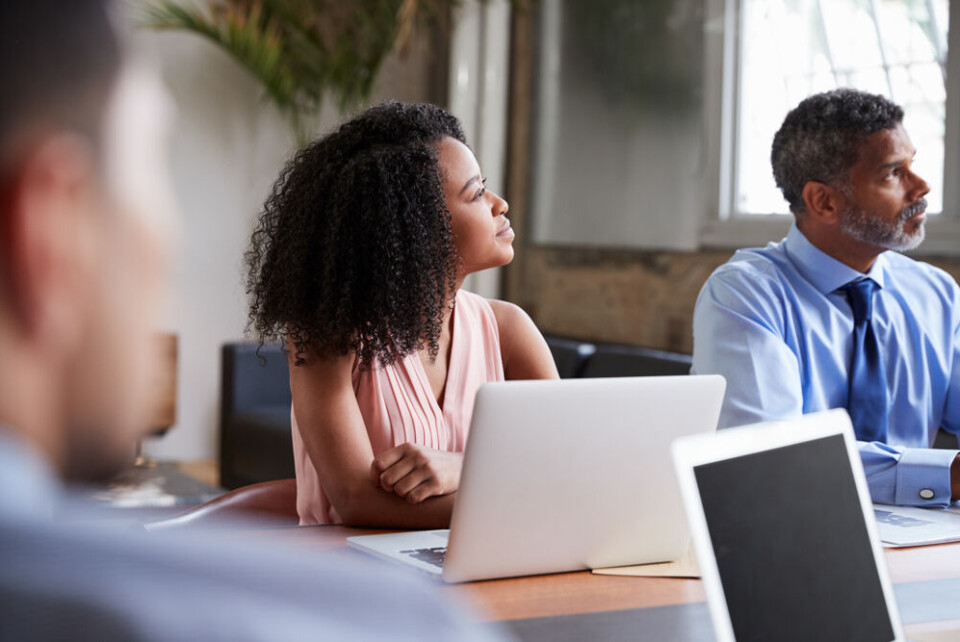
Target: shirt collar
{"points": [[28, 487], [822, 270]]}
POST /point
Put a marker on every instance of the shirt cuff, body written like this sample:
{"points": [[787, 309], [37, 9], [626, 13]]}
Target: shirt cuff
{"points": [[923, 477]]}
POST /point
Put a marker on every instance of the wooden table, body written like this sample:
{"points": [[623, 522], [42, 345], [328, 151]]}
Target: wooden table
{"points": [[584, 592]]}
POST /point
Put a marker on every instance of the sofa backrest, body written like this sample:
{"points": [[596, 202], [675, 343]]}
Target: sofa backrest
{"points": [[630, 361], [251, 380], [570, 355]]}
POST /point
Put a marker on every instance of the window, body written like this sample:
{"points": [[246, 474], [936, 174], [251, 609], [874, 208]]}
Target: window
{"points": [[656, 118], [618, 150], [790, 49]]}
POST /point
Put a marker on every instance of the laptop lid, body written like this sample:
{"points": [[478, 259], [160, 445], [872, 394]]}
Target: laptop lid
{"points": [[784, 532], [575, 474]]}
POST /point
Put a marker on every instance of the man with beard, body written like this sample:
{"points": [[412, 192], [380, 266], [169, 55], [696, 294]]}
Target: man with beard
{"points": [[84, 220], [833, 316]]}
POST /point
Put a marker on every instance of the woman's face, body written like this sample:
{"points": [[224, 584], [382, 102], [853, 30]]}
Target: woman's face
{"points": [[481, 233]]}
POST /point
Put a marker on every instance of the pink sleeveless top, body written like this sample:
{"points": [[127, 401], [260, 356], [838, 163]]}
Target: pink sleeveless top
{"points": [[398, 404]]}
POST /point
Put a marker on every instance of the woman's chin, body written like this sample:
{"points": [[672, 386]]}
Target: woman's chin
{"points": [[505, 257]]}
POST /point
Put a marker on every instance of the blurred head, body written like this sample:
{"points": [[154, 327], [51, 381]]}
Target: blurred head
{"points": [[85, 211], [368, 233], [844, 162]]}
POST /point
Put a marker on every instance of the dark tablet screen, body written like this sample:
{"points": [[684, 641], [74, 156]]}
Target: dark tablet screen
{"points": [[791, 545]]}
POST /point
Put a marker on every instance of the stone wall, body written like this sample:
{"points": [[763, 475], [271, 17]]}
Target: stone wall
{"points": [[638, 298]]}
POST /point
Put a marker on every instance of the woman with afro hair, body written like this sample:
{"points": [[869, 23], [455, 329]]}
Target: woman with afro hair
{"points": [[356, 263]]}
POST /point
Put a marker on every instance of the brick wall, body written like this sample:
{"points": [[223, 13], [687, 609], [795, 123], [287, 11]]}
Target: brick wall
{"points": [[638, 298]]}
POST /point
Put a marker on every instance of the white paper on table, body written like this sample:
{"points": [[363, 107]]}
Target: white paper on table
{"points": [[686, 566]]}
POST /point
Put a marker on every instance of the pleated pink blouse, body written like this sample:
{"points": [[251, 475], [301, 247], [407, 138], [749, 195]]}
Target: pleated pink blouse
{"points": [[398, 404]]}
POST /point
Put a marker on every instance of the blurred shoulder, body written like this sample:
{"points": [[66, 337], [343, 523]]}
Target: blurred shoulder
{"points": [[245, 588]]}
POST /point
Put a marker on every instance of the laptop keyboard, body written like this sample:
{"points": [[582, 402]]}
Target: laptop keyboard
{"points": [[432, 556], [888, 517]]}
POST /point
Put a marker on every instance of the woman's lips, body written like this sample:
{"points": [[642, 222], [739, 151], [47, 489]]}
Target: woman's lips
{"points": [[506, 232]]}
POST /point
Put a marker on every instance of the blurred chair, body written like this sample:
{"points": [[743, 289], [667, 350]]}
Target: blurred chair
{"points": [[272, 503], [570, 355], [628, 361], [255, 441]]}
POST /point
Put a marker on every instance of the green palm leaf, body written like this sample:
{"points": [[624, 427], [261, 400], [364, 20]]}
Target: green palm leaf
{"points": [[299, 50]]}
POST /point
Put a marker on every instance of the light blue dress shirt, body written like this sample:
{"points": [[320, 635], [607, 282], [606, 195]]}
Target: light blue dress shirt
{"points": [[773, 323]]}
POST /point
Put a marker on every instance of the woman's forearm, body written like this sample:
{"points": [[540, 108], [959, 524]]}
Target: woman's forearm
{"points": [[367, 506]]}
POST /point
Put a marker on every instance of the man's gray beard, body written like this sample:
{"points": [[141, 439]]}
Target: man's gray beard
{"points": [[890, 235]]}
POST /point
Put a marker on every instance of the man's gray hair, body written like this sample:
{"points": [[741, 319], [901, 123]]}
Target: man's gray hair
{"points": [[820, 139]]}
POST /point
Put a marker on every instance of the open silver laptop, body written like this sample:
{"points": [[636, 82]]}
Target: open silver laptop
{"points": [[784, 532], [901, 526], [565, 475]]}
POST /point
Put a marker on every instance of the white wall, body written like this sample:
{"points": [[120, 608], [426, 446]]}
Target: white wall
{"points": [[227, 149]]}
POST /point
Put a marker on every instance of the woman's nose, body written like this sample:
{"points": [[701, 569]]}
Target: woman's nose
{"points": [[500, 205]]}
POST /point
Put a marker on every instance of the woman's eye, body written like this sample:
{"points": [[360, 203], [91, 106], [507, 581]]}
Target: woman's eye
{"points": [[481, 191]]}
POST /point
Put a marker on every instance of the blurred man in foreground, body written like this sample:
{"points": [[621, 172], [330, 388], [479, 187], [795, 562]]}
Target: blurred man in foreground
{"points": [[84, 221], [833, 316]]}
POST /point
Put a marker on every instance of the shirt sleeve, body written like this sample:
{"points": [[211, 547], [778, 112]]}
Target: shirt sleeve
{"points": [[951, 408], [907, 476], [737, 330]]}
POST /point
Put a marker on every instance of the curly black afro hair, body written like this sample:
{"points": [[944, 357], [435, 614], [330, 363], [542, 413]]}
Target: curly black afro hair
{"points": [[353, 251], [820, 139]]}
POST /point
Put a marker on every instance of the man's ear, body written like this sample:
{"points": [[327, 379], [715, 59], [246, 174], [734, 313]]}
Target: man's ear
{"points": [[824, 203], [47, 245]]}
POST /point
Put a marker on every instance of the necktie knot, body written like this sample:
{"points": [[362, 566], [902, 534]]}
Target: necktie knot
{"points": [[860, 294]]}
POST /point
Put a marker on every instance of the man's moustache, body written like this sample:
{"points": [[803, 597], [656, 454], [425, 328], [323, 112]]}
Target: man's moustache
{"points": [[912, 210]]}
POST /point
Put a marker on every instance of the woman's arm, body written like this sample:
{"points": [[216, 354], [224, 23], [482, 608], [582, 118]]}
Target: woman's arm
{"points": [[524, 350], [336, 440]]}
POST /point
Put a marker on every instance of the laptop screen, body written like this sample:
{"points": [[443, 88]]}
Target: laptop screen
{"points": [[791, 545]]}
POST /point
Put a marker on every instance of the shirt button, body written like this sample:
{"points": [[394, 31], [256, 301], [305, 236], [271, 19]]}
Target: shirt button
{"points": [[926, 493]]}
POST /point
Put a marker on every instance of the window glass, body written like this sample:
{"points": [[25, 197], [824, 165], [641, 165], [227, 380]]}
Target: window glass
{"points": [[793, 48], [619, 144]]}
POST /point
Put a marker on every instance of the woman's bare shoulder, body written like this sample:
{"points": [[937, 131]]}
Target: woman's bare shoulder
{"points": [[525, 353], [508, 314]]}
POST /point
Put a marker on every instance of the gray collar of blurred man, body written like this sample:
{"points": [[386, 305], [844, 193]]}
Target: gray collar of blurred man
{"points": [[29, 490]]}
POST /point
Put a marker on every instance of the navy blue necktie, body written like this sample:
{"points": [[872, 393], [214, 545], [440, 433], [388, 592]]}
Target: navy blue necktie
{"points": [[867, 402]]}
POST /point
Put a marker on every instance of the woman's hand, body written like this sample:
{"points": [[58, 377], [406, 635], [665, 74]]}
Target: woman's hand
{"points": [[416, 472]]}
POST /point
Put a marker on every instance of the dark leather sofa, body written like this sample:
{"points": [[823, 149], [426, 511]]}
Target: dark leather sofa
{"points": [[255, 441]]}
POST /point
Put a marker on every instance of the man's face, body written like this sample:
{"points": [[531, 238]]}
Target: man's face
{"points": [[109, 382], [885, 205]]}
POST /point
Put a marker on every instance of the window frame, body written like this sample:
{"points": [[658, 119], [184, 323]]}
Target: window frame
{"points": [[723, 226]]}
